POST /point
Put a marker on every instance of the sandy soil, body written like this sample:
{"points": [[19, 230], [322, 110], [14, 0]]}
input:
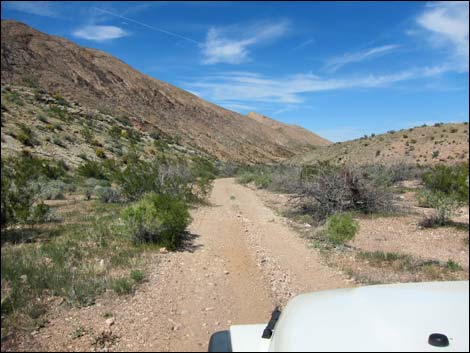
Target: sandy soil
{"points": [[242, 261]]}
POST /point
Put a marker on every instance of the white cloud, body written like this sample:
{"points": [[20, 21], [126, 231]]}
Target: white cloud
{"points": [[40, 8], [231, 45], [248, 87], [100, 33], [448, 22], [336, 63], [304, 44]]}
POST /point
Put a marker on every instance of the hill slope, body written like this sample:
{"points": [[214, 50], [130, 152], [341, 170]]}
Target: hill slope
{"points": [[98, 80], [441, 143], [292, 135]]}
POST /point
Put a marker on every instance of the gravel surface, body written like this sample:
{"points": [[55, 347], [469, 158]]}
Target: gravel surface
{"points": [[240, 262]]}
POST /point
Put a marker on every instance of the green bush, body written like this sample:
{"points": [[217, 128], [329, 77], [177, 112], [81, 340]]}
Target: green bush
{"points": [[259, 175], [137, 276], [160, 219], [137, 178], [42, 118], [341, 228], [107, 194], [87, 134], [100, 153], [450, 180], [26, 136], [443, 204], [122, 286], [91, 169]]}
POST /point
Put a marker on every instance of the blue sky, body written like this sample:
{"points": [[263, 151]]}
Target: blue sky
{"points": [[340, 69]]}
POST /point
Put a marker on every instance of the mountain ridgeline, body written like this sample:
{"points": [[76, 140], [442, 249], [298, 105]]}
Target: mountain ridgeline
{"points": [[97, 80]]}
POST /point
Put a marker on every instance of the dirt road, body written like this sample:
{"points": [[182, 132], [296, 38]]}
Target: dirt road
{"points": [[241, 262]]}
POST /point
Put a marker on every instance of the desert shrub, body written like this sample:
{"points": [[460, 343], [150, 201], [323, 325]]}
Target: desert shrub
{"points": [[328, 189], [124, 120], [122, 286], [54, 190], [107, 194], [443, 205], [87, 134], [450, 180], [20, 189], [115, 132], [435, 154], [91, 169], [203, 172], [157, 218], [92, 183], [341, 228], [100, 152], [43, 118], [133, 135], [285, 179], [245, 177], [401, 171], [137, 178], [227, 169], [57, 141], [26, 136], [259, 175], [137, 276], [155, 134]]}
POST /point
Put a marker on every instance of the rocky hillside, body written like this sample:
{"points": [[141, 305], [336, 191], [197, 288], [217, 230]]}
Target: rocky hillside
{"points": [[53, 127], [291, 135], [437, 144], [97, 80]]}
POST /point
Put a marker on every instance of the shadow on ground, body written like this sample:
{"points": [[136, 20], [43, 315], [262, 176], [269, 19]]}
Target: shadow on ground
{"points": [[187, 243]]}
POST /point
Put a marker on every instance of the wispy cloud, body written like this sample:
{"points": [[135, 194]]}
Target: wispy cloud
{"points": [[251, 87], [304, 44], [100, 33], [40, 8], [336, 63], [447, 24], [231, 45]]}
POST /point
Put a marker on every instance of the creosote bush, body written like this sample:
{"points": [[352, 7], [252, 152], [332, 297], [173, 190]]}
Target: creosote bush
{"points": [[157, 218], [450, 180], [341, 228]]}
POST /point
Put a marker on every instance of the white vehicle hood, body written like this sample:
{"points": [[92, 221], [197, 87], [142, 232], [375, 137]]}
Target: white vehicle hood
{"points": [[398, 317]]}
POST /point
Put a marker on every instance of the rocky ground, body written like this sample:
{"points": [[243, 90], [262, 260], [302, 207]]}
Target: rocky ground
{"points": [[240, 262]]}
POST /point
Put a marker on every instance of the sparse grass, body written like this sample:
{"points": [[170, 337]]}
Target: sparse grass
{"points": [[430, 269], [137, 276], [74, 264], [122, 286]]}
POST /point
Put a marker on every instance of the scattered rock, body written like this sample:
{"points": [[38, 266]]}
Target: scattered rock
{"points": [[110, 322], [163, 251]]}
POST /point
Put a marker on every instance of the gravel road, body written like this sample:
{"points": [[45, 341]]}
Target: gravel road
{"points": [[241, 262]]}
